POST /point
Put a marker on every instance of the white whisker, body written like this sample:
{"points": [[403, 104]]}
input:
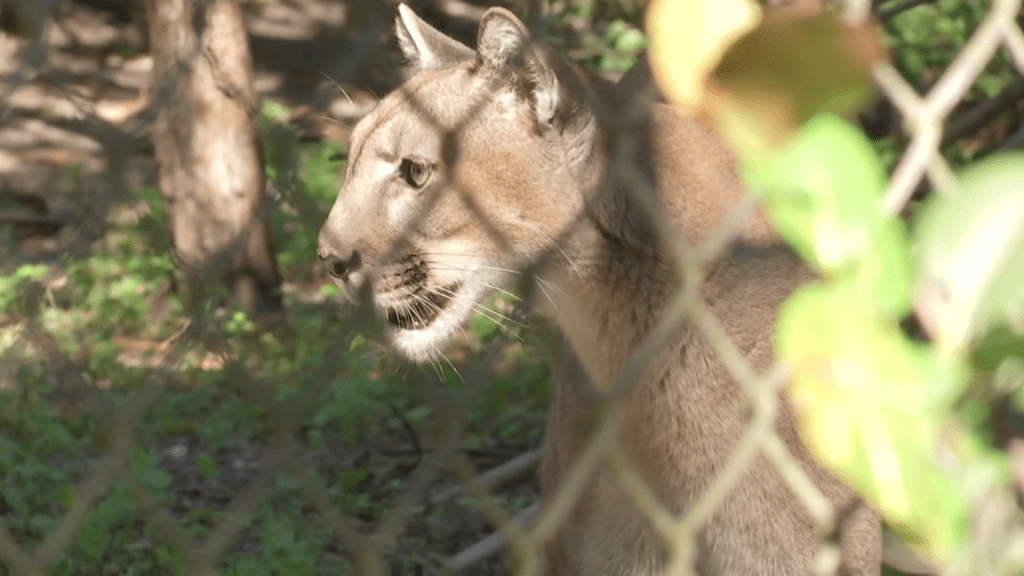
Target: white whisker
{"points": [[490, 313], [466, 266], [334, 121], [381, 353], [485, 310], [338, 86], [540, 284], [461, 379], [533, 227], [438, 369], [505, 292], [548, 284]]}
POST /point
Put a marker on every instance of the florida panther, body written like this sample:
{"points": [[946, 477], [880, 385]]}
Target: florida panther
{"points": [[489, 159]]}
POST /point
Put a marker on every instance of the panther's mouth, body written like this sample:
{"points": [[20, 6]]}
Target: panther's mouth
{"points": [[422, 309], [419, 325]]}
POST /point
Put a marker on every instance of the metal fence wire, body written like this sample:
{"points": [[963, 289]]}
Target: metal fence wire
{"points": [[444, 470]]}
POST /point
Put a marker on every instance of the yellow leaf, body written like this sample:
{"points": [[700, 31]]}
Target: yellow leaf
{"points": [[785, 72], [689, 37]]}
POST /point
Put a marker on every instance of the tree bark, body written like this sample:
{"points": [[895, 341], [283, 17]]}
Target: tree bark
{"points": [[208, 151]]}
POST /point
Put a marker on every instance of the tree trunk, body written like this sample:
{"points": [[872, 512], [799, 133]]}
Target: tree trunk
{"points": [[208, 151]]}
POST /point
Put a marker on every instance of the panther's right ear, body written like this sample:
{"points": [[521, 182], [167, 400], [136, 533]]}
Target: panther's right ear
{"points": [[424, 46]]}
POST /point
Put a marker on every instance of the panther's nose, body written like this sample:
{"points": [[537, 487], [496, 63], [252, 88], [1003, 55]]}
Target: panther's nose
{"points": [[338, 266]]}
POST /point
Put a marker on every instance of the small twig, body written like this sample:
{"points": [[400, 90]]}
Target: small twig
{"points": [[409, 431], [506, 472], [982, 112], [164, 346], [890, 11], [490, 545], [1016, 140]]}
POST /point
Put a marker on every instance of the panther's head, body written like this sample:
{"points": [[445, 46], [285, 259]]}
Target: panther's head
{"points": [[467, 171]]}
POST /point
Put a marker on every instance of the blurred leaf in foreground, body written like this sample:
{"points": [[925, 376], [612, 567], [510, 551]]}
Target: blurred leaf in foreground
{"points": [[688, 38], [995, 347], [874, 406], [971, 254], [787, 71], [822, 194]]}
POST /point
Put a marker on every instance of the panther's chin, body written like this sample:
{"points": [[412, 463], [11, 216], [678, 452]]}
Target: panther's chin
{"points": [[422, 330]]}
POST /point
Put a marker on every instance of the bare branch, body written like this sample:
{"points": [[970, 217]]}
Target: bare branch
{"points": [[890, 11], [982, 112], [489, 546], [514, 469]]}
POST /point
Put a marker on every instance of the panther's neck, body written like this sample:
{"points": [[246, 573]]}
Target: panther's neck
{"points": [[606, 293], [606, 306], [624, 275]]}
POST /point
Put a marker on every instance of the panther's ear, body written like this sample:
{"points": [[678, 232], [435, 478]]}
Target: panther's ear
{"points": [[424, 46], [504, 46]]}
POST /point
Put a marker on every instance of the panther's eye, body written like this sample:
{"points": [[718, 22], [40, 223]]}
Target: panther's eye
{"points": [[415, 172]]}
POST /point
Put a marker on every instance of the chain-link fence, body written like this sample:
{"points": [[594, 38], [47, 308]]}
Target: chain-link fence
{"points": [[381, 467]]}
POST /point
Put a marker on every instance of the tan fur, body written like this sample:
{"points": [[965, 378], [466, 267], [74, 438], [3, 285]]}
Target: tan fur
{"points": [[525, 156]]}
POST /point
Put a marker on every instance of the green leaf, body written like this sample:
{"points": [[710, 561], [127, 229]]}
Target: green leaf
{"points": [[156, 478], [66, 494], [274, 110], [615, 29], [631, 40], [139, 459], [41, 523], [206, 465], [874, 406], [822, 194], [143, 465], [349, 478], [971, 253], [482, 326], [30, 271], [15, 501], [248, 565], [996, 346], [418, 414]]}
